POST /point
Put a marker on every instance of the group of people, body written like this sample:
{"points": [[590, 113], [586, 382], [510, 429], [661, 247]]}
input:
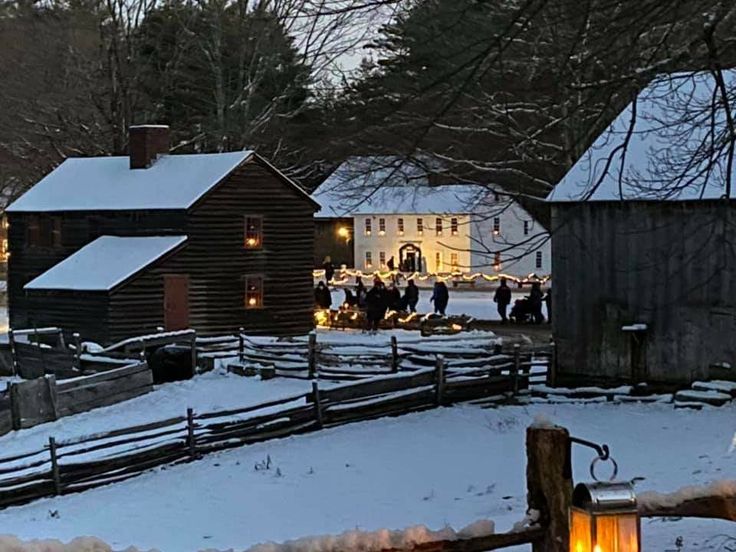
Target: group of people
{"points": [[379, 299], [530, 307]]}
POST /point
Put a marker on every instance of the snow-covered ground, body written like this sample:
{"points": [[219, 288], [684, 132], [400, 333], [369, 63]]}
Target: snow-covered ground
{"points": [[447, 466], [478, 304]]}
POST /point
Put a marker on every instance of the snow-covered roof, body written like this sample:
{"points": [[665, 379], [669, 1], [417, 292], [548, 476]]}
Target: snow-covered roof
{"points": [[105, 263], [670, 154], [108, 183], [390, 185]]}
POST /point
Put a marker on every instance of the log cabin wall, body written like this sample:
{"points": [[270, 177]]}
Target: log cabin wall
{"points": [[214, 258], [77, 229]]}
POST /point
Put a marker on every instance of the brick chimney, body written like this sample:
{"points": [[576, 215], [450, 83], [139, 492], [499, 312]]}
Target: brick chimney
{"points": [[146, 143]]}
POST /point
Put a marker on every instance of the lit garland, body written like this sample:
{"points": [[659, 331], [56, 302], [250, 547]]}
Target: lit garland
{"points": [[346, 274]]}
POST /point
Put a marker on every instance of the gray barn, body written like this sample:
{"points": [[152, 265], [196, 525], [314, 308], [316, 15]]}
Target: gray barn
{"points": [[644, 249]]}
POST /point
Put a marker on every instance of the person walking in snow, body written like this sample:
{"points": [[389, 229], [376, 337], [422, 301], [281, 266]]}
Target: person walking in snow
{"points": [[440, 297], [535, 303], [411, 296], [322, 296], [394, 297], [502, 298], [376, 303]]}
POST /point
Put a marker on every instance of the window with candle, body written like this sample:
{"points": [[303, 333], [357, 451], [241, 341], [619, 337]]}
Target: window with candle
{"points": [[454, 261], [496, 261], [453, 226], [368, 259], [420, 226], [438, 226], [254, 291], [496, 226], [253, 232], [368, 227], [400, 226], [438, 261], [382, 259], [381, 226]]}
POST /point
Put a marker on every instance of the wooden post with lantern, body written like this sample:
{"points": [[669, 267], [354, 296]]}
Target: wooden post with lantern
{"points": [[549, 484]]}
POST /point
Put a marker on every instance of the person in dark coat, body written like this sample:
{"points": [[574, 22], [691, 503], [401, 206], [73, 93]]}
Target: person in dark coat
{"points": [[391, 264], [360, 292], [329, 269], [440, 297], [394, 297], [411, 296], [376, 302], [350, 299], [502, 298], [322, 296], [535, 303]]}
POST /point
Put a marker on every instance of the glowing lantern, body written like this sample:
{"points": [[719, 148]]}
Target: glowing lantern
{"points": [[343, 232], [604, 518]]}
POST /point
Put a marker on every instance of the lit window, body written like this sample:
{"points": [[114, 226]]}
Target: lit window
{"points": [[253, 232], [368, 259], [453, 226], [438, 226], [453, 261], [382, 259], [381, 226], [368, 227], [438, 261], [496, 226], [400, 225], [497, 262], [253, 292], [539, 259], [420, 226], [526, 227]]}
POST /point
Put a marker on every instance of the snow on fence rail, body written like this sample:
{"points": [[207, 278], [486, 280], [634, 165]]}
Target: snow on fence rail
{"points": [[351, 361], [82, 463]]}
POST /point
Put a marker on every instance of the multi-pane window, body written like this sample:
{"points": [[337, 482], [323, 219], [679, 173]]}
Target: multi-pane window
{"points": [[43, 231], [400, 226], [497, 261], [496, 226], [453, 226], [526, 227], [539, 259], [438, 226], [253, 238], [254, 291], [438, 261], [368, 259], [382, 259], [453, 261], [381, 226], [368, 226], [420, 226]]}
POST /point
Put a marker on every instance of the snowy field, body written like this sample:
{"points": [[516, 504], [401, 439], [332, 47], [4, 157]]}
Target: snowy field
{"points": [[448, 466], [478, 304]]}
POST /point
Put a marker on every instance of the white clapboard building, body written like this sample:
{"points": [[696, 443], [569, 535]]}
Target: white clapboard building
{"points": [[403, 216]]}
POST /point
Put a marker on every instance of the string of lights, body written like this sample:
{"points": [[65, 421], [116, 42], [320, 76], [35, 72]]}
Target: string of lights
{"points": [[343, 276]]}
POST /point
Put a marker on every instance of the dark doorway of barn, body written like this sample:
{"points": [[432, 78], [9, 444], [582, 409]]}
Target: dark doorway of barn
{"points": [[176, 302], [410, 258]]}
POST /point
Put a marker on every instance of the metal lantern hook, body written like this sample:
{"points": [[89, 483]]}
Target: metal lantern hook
{"points": [[604, 454]]}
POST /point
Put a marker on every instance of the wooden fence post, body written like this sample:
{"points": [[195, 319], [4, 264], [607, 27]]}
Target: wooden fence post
{"points": [[394, 354], [191, 439], [241, 344], [312, 355], [13, 352], [517, 367], [77, 351], [317, 404], [194, 353], [439, 379], [54, 466], [15, 410], [549, 484], [552, 366]]}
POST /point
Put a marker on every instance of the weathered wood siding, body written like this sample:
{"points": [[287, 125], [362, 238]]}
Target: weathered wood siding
{"points": [[670, 265]]}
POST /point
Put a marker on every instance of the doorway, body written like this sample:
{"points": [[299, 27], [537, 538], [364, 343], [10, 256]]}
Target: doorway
{"points": [[410, 258], [176, 302]]}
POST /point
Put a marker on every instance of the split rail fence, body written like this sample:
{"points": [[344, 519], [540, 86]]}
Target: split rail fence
{"points": [[82, 463]]}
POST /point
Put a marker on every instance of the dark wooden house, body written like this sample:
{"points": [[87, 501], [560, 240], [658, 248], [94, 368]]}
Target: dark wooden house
{"points": [[643, 256], [112, 247]]}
